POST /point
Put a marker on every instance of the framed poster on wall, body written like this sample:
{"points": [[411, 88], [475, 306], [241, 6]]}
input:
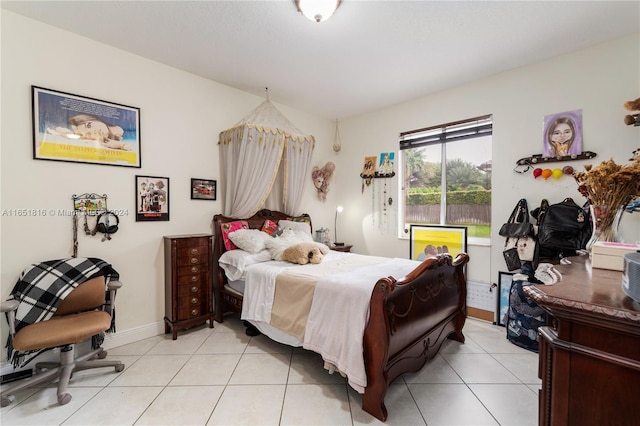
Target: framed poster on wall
{"points": [[152, 199], [79, 129]]}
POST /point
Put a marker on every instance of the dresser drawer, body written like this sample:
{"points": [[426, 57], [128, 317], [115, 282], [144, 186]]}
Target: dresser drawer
{"points": [[191, 269], [192, 279], [191, 242], [201, 259]]}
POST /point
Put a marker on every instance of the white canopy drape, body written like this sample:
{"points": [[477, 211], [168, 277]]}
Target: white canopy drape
{"points": [[263, 149]]}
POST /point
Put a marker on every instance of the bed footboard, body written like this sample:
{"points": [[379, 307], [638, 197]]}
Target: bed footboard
{"points": [[409, 320]]}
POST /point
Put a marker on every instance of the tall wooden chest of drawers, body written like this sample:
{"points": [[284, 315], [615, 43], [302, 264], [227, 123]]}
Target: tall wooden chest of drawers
{"points": [[188, 275]]}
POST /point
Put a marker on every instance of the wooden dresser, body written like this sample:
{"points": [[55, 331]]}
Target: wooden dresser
{"points": [[188, 278], [590, 349]]}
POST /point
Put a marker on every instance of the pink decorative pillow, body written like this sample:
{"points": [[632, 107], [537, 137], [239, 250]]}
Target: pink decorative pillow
{"points": [[271, 228], [228, 228]]}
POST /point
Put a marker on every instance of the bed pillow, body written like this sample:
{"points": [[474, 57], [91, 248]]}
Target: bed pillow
{"points": [[249, 240], [296, 226], [271, 228], [229, 227], [235, 262], [288, 238]]}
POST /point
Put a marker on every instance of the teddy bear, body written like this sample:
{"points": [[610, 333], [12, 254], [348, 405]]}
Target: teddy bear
{"points": [[303, 253], [632, 119]]}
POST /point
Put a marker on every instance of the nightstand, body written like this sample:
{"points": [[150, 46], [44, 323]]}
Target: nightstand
{"points": [[345, 248]]}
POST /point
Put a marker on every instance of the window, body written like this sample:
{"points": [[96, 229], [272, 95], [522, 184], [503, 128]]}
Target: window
{"points": [[447, 176]]}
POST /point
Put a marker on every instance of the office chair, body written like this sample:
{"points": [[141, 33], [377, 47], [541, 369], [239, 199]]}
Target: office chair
{"points": [[77, 318]]}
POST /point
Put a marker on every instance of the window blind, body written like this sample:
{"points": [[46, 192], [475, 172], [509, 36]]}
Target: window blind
{"points": [[450, 132]]}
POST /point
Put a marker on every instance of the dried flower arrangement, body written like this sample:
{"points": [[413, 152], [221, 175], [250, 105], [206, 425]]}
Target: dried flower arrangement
{"points": [[609, 187]]}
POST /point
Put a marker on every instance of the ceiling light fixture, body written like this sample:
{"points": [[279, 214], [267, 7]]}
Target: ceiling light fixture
{"points": [[317, 10]]}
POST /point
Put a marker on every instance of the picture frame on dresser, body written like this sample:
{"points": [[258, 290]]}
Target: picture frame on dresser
{"points": [[152, 198], [80, 129], [505, 279]]}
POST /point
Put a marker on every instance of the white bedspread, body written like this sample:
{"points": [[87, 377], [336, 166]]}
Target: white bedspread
{"points": [[338, 314]]}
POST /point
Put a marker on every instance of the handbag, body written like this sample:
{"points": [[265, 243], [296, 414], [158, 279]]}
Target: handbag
{"points": [[512, 259], [518, 224], [526, 247]]}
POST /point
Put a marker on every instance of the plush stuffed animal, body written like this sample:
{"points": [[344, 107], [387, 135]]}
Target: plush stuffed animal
{"points": [[632, 119], [303, 253]]}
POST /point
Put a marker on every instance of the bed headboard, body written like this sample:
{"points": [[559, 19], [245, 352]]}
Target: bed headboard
{"points": [[255, 222]]}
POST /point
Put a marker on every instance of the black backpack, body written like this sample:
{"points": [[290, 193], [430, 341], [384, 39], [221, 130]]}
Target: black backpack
{"points": [[563, 228]]}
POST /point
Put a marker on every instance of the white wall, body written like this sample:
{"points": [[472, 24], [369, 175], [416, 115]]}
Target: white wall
{"points": [[597, 80], [182, 114], [181, 117]]}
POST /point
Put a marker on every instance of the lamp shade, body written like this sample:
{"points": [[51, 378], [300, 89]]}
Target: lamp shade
{"points": [[317, 10], [335, 227]]}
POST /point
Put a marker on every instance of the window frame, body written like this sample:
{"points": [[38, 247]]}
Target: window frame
{"points": [[440, 135]]}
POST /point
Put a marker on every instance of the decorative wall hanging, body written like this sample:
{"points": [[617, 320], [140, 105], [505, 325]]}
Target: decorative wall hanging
{"points": [[152, 199], [563, 134], [322, 178], [385, 168], [203, 189], [88, 205], [337, 143], [368, 171], [78, 129]]}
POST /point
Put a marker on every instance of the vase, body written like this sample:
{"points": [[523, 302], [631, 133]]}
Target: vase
{"points": [[605, 223]]}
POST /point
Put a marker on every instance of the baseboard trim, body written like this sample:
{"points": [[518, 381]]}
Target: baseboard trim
{"points": [[112, 340]]}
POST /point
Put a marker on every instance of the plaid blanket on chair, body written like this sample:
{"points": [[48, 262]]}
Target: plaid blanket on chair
{"points": [[42, 287]]}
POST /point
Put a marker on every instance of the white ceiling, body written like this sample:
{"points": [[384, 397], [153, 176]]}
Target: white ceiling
{"points": [[369, 55]]}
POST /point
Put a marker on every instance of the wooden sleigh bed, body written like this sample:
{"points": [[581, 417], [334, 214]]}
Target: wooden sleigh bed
{"points": [[409, 317]]}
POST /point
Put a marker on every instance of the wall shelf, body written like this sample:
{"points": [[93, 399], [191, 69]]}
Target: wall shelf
{"points": [[539, 159], [377, 175]]}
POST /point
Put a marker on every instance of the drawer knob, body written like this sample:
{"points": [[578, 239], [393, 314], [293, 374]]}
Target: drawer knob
{"points": [[194, 312], [194, 251], [194, 278], [194, 289], [194, 300], [194, 260], [194, 269]]}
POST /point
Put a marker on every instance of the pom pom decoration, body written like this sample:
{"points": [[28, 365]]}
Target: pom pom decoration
{"points": [[567, 170], [556, 173], [537, 172], [546, 173]]}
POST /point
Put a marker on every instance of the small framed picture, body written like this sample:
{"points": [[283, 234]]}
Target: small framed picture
{"points": [[152, 198], [203, 189], [504, 287]]}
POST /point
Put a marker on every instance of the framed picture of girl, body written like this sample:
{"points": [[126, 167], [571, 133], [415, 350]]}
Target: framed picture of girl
{"points": [[562, 134]]}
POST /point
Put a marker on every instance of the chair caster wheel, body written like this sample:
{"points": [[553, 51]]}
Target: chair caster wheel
{"points": [[63, 399], [119, 368], [102, 355], [7, 400]]}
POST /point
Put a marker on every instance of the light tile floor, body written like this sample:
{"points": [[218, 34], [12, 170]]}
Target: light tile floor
{"points": [[221, 376]]}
